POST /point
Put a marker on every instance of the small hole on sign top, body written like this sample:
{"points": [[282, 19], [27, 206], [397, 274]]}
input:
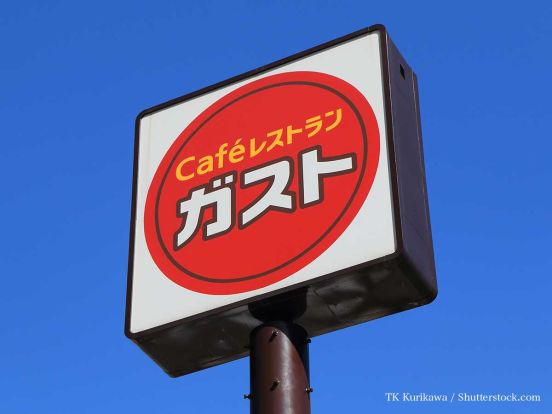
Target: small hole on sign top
{"points": [[402, 71]]}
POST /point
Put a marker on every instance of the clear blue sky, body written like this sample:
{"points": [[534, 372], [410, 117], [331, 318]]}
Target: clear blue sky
{"points": [[73, 76]]}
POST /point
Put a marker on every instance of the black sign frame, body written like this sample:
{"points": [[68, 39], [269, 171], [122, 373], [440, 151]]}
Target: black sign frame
{"points": [[393, 283]]}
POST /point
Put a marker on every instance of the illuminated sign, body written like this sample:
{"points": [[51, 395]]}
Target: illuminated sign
{"points": [[301, 180]]}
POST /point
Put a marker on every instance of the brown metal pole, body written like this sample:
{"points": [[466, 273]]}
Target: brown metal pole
{"points": [[279, 369]]}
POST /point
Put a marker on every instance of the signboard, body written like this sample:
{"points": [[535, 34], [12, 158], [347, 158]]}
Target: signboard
{"points": [[298, 187]]}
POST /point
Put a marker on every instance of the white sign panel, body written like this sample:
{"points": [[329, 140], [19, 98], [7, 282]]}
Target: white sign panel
{"points": [[310, 127]]}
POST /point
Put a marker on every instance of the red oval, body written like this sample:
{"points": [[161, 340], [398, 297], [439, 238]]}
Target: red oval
{"points": [[278, 243]]}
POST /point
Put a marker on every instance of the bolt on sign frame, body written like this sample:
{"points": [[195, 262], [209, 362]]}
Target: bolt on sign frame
{"points": [[295, 191]]}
